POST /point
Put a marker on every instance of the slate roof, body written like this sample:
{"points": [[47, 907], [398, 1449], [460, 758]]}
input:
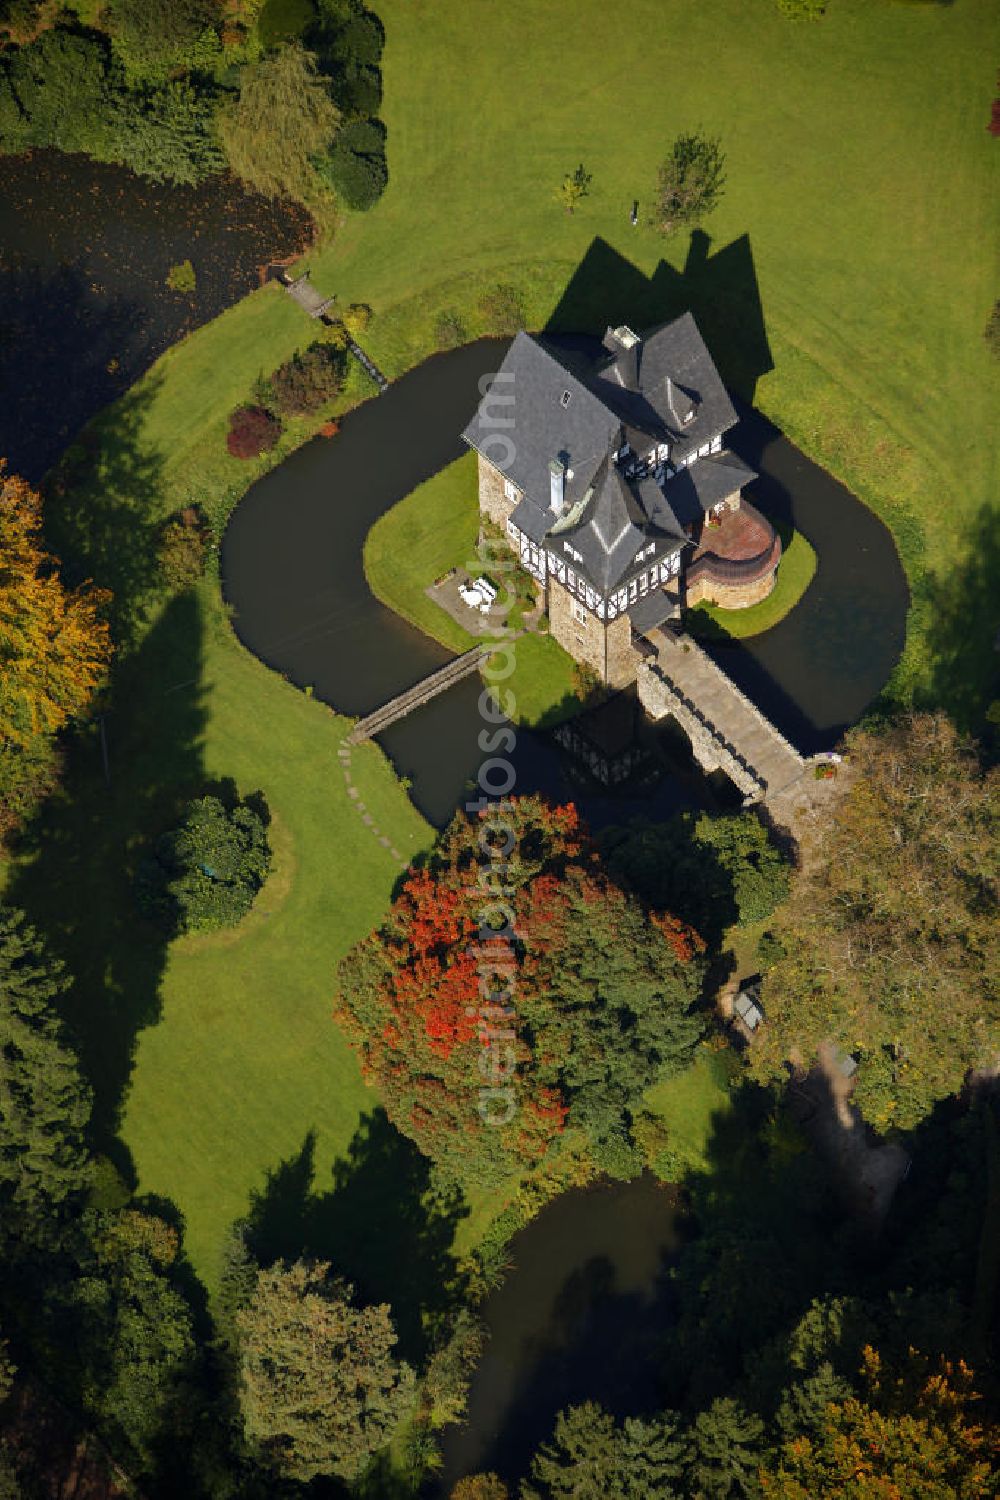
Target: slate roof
{"points": [[693, 491], [611, 525], [663, 389], [652, 610], [579, 432], [676, 372]]}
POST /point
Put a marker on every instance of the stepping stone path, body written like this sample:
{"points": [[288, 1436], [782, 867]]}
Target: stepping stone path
{"points": [[344, 756]]}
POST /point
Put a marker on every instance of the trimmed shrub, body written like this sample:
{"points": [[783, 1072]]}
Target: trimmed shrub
{"points": [[360, 40], [502, 310], [252, 431], [205, 873], [355, 165], [181, 552], [309, 380]]}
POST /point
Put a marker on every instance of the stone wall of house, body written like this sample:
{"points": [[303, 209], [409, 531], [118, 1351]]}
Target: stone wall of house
{"points": [[492, 500], [607, 649], [730, 595]]}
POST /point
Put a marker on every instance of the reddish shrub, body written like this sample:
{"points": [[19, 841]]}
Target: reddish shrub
{"points": [[252, 431], [994, 126]]}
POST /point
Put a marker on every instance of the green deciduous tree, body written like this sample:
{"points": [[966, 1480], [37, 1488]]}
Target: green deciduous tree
{"points": [[690, 181], [205, 873], [60, 85], [710, 870], [574, 186], [480, 1487], [283, 118], [44, 1102], [355, 164], [802, 10], [892, 935], [321, 1391], [128, 1336]]}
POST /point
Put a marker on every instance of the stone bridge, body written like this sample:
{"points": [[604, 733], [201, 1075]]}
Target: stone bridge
{"points": [[727, 732]]}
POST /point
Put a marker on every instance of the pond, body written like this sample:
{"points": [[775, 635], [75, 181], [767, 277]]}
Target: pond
{"points": [[293, 571], [579, 1317], [84, 304]]}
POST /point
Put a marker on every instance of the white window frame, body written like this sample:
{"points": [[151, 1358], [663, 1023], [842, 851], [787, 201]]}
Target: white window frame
{"points": [[511, 491], [578, 612]]}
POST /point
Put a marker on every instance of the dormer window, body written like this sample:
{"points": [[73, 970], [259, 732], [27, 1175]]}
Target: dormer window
{"points": [[565, 398], [645, 552], [688, 416], [576, 556]]}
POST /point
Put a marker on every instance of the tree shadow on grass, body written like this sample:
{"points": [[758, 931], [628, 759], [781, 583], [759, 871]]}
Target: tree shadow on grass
{"points": [[381, 1225], [719, 287], [78, 854], [99, 519], [964, 629]]}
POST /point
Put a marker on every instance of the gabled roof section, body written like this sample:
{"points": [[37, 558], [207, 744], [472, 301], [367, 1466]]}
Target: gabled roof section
{"points": [[549, 414], [694, 490], [613, 525], [676, 375]]}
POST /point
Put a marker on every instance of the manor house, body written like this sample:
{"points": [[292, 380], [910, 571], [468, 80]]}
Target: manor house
{"points": [[612, 482]]}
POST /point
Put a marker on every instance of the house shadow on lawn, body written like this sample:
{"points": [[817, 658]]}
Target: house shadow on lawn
{"points": [[380, 1225], [719, 287]]}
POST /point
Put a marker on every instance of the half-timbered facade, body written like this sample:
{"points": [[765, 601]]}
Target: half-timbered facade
{"points": [[610, 477]]}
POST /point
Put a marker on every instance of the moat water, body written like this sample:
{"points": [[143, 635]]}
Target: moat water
{"points": [[582, 1313], [84, 309], [293, 572]]}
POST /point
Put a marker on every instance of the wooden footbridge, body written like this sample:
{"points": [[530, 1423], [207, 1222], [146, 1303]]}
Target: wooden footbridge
{"points": [[302, 291], [727, 731], [415, 697]]}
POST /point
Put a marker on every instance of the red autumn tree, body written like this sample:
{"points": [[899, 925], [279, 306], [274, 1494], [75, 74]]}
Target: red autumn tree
{"points": [[515, 990], [252, 431]]}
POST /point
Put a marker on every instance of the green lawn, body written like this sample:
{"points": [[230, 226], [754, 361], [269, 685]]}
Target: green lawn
{"points": [[431, 531], [690, 1105], [795, 573], [223, 1047], [860, 207]]}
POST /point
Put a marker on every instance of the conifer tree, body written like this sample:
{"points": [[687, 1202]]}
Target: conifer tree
{"points": [[727, 1444], [44, 1101]]}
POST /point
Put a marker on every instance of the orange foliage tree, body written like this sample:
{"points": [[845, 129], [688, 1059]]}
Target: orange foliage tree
{"points": [[54, 650], [912, 1435], [514, 992]]}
